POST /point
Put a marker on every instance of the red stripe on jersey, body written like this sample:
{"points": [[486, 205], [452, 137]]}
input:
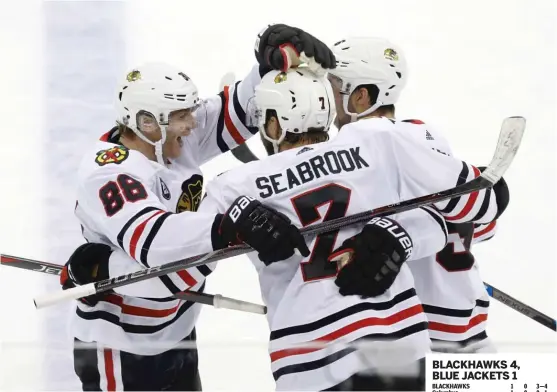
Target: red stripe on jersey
{"points": [[105, 137], [441, 327], [187, 278], [469, 204], [228, 121], [137, 310], [368, 322], [109, 370], [138, 231], [489, 227]]}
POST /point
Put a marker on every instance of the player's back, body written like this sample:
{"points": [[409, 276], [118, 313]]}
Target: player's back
{"points": [[309, 185], [449, 283]]}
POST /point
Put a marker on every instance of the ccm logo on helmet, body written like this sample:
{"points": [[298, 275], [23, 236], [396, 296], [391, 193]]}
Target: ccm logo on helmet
{"points": [[397, 232], [239, 206]]}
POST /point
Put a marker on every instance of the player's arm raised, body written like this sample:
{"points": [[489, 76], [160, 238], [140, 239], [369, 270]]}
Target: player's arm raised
{"points": [[277, 46]]}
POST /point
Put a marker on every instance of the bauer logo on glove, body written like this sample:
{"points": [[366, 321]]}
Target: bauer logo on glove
{"points": [[370, 261]]}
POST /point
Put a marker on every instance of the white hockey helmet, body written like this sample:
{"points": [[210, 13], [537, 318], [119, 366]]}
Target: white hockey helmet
{"points": [[301, 99], [156, 89], [369, 60]]}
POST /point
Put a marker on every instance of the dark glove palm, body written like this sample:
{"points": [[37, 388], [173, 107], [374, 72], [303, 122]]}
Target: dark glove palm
{"points": [[372, 259], [267, 231], [269, 48], [87, 264]]}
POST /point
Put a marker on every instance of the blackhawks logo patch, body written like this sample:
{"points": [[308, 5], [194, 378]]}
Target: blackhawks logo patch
{"points": [[116, 154], [190, 198]]}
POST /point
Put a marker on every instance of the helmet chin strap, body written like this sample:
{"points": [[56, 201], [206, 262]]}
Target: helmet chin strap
{"points": [[158, 144], [355, 116], [276, 143]]}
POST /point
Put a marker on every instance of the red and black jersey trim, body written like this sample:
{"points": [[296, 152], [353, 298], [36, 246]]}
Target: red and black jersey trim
{"points": [[485, 205], [122, 233], [240, 113], [134, 328], [329, 359], [432, 211], [151, 237], [463, 343], [462, 178], [220, 125], [360, 307], [454, 312]]}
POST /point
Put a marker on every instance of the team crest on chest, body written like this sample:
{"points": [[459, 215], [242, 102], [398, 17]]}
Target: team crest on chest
{"points": [[190, 198], [116, 154]]}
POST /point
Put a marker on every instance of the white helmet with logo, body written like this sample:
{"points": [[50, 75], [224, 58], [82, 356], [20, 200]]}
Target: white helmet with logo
{"points": [[301, 99], [367, 60], [155, 89]]}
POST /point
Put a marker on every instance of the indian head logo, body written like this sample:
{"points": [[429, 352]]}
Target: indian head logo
{"points": [[133, 76], [190, 198], [390, 54]]}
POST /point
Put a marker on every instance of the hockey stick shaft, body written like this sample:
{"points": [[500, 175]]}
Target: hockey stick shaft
{"points": [[507, 146], [217, 300], [521, 307]]}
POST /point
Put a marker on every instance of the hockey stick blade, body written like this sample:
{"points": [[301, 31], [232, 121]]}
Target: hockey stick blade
{"points": [[522, 308], [217, 300], [509, 141]]}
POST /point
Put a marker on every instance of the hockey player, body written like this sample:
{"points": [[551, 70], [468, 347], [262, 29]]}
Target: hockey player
{"points": [[370, 75], [138, 190], [369, 295]]}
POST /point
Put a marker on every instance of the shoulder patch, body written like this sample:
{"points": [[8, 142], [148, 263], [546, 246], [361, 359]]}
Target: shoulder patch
{"points": [[190, 198], [116, 154], [165, 190]]}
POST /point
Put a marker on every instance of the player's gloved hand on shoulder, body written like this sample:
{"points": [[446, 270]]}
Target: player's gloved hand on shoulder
{"points": [[273, 43], [370, 261], [87, 264], [267, 231]]}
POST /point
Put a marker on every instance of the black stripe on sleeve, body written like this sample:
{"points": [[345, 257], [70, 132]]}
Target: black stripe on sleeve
{"points": [[462, 177], [438, 218], [220, 124], [122, 232], [151, 237], [240, 113]]}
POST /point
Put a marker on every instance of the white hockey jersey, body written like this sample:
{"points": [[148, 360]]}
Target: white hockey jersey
{"points": [[449, 284], [146, 212], [370, 163]]}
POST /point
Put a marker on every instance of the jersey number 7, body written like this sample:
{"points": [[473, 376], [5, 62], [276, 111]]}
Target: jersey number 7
{"points": [[307, 207]]}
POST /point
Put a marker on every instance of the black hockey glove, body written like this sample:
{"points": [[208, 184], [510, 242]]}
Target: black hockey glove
{"points": [[271, 43], [88, 263], [267, 231], [370, 261]]}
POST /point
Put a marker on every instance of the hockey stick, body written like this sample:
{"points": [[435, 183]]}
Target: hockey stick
{"points": [[510, 136], [217, 300], [520, 307]]}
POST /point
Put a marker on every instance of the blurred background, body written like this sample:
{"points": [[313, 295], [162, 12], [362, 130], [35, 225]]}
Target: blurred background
{"points": [[471, 63]]}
